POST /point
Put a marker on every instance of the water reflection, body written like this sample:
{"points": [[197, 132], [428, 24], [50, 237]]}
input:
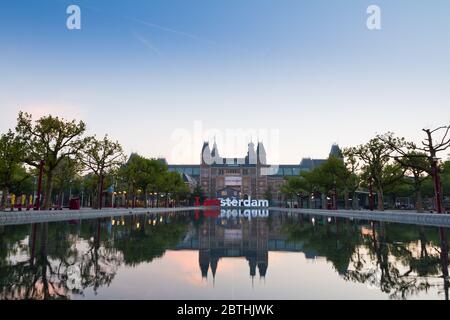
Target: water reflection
{"points": [[72, 259]]}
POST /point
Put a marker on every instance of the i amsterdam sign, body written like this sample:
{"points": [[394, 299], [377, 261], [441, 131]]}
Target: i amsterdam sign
{"points": [[227, 202], [233, 208]]}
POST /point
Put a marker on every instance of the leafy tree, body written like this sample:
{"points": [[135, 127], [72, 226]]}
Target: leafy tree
{"points": [[11, 154], [66, 175], [374, 156], [198, 192], [102, 157], [149, 171], [22, 181], [268, 194], [50, 139], [416, 166], [352, 180], [309, 183], [288, 190], [333, 175]]}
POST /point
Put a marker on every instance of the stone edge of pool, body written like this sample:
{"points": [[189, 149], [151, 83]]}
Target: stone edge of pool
{"points": [[405, 217]]}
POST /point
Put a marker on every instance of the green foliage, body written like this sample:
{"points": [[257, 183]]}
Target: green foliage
{"points": [[12, 172], [50, 139], [102, 156], [142, 175], [198, 192]]}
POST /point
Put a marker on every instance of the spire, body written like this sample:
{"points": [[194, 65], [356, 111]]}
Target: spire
{"points": [[215, 151], [205, 156], [203, 260], [262, 268], [336, 151], [251, 154], [213, 264], [261, 153]]}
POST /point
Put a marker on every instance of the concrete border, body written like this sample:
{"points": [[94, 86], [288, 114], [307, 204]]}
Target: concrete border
{"points": [[405, 217], [27, 217]]}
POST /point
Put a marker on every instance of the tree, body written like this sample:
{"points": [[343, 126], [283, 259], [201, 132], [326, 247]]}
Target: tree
{"points": [[50, 139], [352, 180], [416, 166], [65, 177], [268, 194], [198, 192], [430, 149], [11, 154], [309, 183], [172, 183], [375, 155], [288, 190], [147, 175], [101, 157], [149, 171], [332, 175], [177, 186]]}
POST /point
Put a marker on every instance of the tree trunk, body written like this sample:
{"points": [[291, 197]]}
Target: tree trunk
{"points": [[324, 201], [146, 199], [355, 201], [100, 192], [299, 201], [5, 192], [380, 199], [347, 206], [419, 206], [61, 200], [48, 191]]}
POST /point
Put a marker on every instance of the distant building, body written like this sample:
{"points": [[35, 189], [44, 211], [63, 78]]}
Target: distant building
{"points": [[244, 177]]}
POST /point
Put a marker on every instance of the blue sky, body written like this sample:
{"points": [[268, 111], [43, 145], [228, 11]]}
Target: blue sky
{"points": [[141, 70]]}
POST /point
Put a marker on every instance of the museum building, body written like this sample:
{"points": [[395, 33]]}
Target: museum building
{"points": [[245, 177]]}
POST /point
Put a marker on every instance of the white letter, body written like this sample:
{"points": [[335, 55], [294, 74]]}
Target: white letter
{"points": [[374, 20], [74, 20]]}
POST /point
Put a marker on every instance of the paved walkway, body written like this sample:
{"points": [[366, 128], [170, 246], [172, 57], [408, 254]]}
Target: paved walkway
{"points": [[407, 217]]}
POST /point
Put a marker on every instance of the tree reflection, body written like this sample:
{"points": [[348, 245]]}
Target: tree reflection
{"points": [[56, 268], [393, 258], [65, 260], [144, 238]]}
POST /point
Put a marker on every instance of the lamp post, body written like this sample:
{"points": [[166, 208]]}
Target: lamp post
{"points": [[371, 202], [334, 196]]}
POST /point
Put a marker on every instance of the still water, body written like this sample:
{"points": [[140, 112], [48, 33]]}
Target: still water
{"points": [[193, 256]]}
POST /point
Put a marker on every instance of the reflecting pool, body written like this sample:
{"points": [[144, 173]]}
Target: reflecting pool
{"points": [[190, 255]]}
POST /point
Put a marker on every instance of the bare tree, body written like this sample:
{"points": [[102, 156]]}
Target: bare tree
{"points": [[430, 148]]}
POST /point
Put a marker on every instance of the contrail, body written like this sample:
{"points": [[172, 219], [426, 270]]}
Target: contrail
{"points": [[165, 29], [147, 43]]}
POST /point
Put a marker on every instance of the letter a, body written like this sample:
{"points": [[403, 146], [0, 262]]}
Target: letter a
{"points": [[74, 20], [374, 20]]}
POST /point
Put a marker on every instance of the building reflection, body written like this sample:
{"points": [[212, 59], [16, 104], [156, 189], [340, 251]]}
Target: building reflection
{"points": [[232, 238]]}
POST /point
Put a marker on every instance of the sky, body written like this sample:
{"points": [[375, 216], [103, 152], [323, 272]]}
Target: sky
{"points": [[161, 76]]}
